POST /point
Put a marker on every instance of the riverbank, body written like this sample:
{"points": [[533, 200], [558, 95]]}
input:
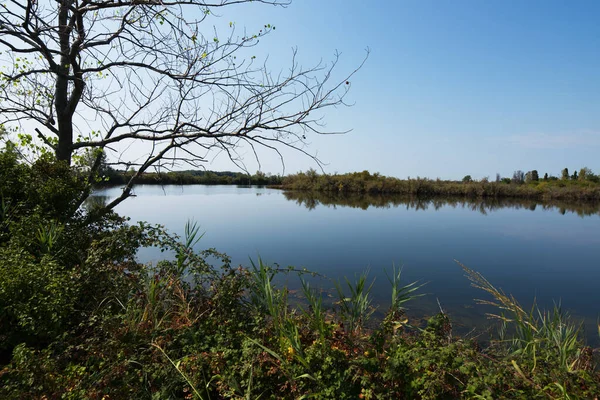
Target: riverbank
{"points": [[191, 177], [372, 184], [364, 182], [82, 318]]}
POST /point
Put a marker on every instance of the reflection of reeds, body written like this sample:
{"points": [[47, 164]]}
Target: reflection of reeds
{"points": [[537, 334], [311, 200]]}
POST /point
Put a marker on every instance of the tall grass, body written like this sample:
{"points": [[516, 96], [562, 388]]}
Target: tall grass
{"points": [[274, 303], [205, 395], [316, 312], [356, 309], [264, 297], [401, 294], [48, 235], [192, 236], [537, 334]]}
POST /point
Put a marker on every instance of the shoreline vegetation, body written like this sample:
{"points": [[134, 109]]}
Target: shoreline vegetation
{"points": [[81, 318], [113, 177], [583, 186]]}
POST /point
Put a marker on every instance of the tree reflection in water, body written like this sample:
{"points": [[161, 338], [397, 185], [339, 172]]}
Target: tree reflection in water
{"points": [[312, 200]]}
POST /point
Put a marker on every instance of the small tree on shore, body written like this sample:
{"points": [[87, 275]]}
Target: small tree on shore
{"points": [[535, 176], [532, 176], [585, 173]]}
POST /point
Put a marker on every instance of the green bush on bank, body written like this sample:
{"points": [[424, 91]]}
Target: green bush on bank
{"points": [[80, 318]]}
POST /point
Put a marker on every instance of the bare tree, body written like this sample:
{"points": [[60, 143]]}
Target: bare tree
{"points": [[518, 177], [110, 74]]}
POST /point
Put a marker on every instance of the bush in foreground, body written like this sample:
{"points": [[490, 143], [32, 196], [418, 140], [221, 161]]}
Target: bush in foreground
{"points": [[81, 319]]}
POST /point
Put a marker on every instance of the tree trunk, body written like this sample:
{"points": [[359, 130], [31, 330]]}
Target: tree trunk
{"points": [[65, 138], [64, 115]]}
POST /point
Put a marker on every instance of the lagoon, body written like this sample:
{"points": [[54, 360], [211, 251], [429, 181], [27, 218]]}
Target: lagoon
{"points": [[543, 251]]}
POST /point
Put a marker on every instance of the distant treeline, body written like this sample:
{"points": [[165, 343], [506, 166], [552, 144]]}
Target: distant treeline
{"points": [[117, 177], [580, 186]]}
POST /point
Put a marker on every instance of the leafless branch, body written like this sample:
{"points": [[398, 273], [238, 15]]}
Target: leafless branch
{"points": [[107, 74]]}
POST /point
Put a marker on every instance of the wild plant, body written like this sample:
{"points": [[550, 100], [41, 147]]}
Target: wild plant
{"points": [[356, 309], [264, 297], [202, 394], [6, 212], [315, 311], [401, 294], [192, 236], [47, 235], [560, 333], [150, 308], [273, 302], [537, 333]]}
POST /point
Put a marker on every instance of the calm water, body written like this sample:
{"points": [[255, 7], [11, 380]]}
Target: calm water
{"points": [[547, 252]]}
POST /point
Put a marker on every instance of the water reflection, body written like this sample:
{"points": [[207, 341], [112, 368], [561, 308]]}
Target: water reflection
{"points": [[539, 255], [312, 200]]}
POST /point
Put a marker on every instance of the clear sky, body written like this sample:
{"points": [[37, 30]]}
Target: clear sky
{"points": [[451, 87]]}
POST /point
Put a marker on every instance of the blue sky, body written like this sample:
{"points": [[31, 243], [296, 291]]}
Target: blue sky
{"points": [[451, 87]]}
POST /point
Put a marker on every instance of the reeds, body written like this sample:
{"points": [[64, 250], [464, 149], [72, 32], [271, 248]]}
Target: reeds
{"points": [[315, 312], [356, 309], [537, 334], [401, 294]]}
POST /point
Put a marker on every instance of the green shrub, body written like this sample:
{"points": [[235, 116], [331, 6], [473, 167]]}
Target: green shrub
{"points": [[81, 318], [37, 298]]}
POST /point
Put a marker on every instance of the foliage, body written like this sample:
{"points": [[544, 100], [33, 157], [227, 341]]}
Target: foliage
{"points": [[364, 182], [356, 309], [81, 318], [532, 176], [115, 177], [37, 298], [537, 333], [401, 293]]}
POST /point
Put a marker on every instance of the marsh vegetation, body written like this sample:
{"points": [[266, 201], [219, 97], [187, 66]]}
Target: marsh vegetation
{"points": [[82, 318], [584, 186]]}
